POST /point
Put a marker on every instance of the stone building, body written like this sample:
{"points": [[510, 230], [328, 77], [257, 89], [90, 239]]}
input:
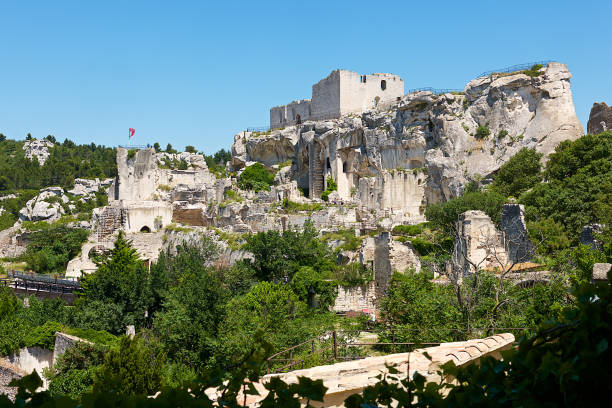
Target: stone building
{"points": [[341, 93]]}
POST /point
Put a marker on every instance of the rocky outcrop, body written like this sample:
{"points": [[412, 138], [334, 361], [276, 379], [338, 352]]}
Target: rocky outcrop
{"points": [[515, 238], [38, 149], [600, 272], [600, 118], [193, 160], [427, 147], [47, 206], [87, 187]]}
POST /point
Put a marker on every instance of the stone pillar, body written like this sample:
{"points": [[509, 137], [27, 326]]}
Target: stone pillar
{"points": [[514, 233], [382, 264]]}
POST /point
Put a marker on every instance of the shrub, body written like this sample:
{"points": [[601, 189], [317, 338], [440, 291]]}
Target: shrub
{"points": [[408, 229], [445, 215], [482, 132], [502, 133], [534, 71], [518, 174], [331, 186], [353, 274], [256, 177]]}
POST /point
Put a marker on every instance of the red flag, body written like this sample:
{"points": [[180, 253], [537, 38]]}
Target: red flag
{"points": [[131, 133]]}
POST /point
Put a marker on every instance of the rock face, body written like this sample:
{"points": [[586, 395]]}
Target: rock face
{"points": [[600, 118], [86, 187], [38, 149], [515, 238], [426, 147], [45, 207]]}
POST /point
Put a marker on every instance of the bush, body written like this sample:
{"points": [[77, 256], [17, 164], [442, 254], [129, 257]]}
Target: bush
{"points": [[445, 215], [408, 229], [534, 71], [353, 274], [256, 177], [51, 248], [520, 173], [482, 132], [331, 186], [579, 185], [132, 368]]}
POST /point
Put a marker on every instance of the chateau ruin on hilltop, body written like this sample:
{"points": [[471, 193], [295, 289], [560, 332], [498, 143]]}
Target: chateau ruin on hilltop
{"points": [[340, 93]]}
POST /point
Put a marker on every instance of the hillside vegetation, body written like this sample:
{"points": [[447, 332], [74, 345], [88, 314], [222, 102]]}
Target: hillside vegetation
{"points": [[198, 324]]}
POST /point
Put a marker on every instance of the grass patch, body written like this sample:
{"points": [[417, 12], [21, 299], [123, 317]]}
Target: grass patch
{"points": [[292, 206]]}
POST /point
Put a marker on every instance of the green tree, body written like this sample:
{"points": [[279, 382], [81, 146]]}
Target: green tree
{"points": [[190, 149], [256, 177], [50, 249], [192, 310], [275, 310], [416, 309], [313, 288], [445, 215], [134, 367], [578, 190], [122, 280], [74, 371], [520, 173]]}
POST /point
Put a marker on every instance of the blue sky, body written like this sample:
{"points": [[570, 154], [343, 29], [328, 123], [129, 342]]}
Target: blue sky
{"points": [[196, 72]]}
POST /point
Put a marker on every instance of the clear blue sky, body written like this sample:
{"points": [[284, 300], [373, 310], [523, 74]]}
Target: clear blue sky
{"points": [[196, 72]]}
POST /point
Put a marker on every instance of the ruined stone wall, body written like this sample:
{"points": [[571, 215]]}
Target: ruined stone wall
{"points": [[359, 93], [8, 372], [291, 114], [382, 264], [326, 97], [29, 359], [151, 215], [477, 239], [395, 190], [355, 298], [136, 175], [64, 342]]}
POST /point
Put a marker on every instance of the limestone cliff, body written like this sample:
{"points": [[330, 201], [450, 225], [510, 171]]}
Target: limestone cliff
{"points": [[426, 147]]}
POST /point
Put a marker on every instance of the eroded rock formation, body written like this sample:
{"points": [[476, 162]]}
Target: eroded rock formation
{"points": [[600, 118]]}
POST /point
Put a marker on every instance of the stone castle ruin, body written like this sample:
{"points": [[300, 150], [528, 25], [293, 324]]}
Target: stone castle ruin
{"points": [[339, 94], [389, 154]]}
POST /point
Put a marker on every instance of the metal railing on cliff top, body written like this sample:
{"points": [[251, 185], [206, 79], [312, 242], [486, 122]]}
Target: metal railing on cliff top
{"points": [[514, 68]]}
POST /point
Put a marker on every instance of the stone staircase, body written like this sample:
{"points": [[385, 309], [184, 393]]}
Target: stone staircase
{"points": [[111, 219], [317, 181]]}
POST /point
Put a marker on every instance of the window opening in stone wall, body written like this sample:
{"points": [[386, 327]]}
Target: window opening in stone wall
{"points": [[376, 100], [383, 84], [298, 119], [344, 167], [328, 163]]}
